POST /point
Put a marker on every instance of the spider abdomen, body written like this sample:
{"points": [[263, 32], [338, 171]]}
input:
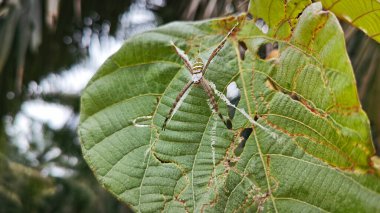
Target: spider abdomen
{"points": [[196, 77], [197, 69]]}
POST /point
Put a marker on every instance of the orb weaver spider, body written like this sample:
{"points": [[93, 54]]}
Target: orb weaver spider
{"points": [[197, 71]]}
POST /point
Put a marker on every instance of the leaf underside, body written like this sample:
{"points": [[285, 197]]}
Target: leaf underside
{"points": [[312, 154]]}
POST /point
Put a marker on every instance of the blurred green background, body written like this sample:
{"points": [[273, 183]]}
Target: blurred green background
{"points": [[49, 49]]}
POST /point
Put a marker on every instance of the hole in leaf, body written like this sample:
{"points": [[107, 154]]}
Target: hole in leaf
{"points": [[244, 135], [249, 16], [242, 49], [233, 95], [268, 51], [262, 52], [256, 117], [260, 23], [229, 124]]}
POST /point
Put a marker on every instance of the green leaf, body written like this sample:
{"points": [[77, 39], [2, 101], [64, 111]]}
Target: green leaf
{"points": [[364, 14], [309, 149]]}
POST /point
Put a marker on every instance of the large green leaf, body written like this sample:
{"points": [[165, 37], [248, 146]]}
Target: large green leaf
{"points": [[364, 14], [310, 150]]}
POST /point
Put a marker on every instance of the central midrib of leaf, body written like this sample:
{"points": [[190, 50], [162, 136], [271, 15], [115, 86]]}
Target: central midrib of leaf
{"points": [[245, 89]]}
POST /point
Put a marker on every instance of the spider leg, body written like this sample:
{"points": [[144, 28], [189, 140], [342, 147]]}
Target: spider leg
{"points": [[214, 104], [218, 48], [183, 56], [177, 100]]}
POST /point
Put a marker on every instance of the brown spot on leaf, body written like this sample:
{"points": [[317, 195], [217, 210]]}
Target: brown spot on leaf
{"points": [[268, 51], [242, 49]]}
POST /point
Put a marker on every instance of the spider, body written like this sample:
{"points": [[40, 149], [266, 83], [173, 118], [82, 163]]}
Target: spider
{"points": [[197, 71]]}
